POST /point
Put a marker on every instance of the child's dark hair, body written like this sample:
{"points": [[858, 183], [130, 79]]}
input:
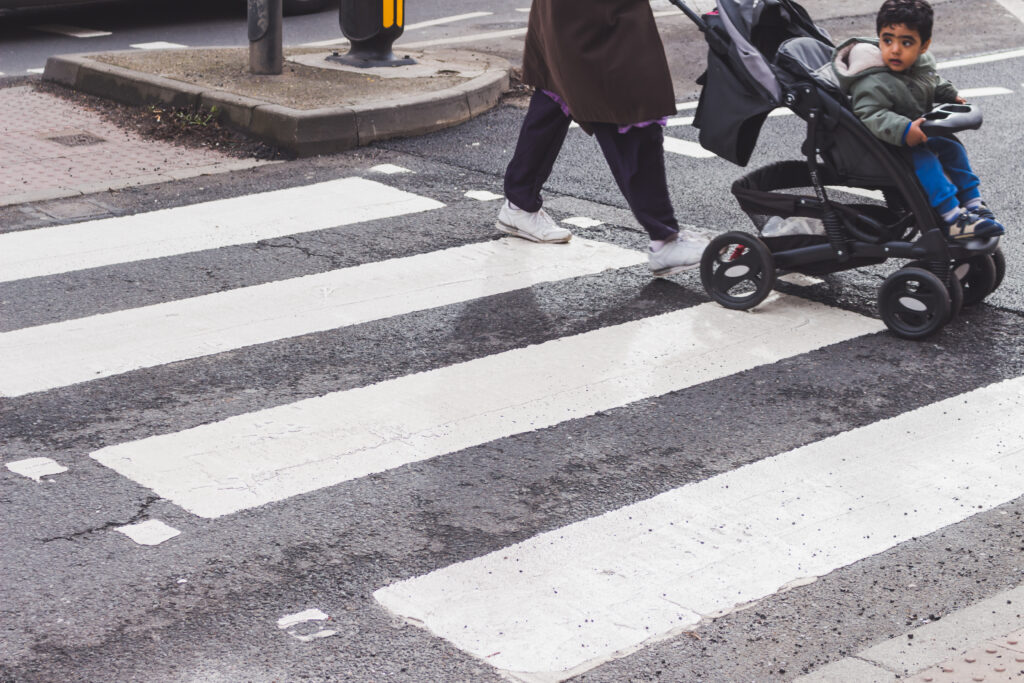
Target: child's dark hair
{"points": [[916, 15]]}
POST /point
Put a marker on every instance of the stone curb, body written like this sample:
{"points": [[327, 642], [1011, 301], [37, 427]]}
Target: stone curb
{"points": [[928, 646], [302, 132]]}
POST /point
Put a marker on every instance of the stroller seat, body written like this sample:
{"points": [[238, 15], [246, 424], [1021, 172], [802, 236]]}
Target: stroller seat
{"points": [[810, 58]]}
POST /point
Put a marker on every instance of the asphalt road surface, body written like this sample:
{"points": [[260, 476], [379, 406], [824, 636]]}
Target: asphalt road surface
{"points": [[320, 421]]}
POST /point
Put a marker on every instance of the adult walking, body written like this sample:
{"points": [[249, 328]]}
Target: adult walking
{"points": [[602, 64]]}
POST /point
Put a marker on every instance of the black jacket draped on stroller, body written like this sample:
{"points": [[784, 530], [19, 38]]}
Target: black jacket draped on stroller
{"points": [[766, 54]]}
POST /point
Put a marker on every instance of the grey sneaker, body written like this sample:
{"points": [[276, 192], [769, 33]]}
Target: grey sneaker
{"points": [[680, 254], [536, 227]]}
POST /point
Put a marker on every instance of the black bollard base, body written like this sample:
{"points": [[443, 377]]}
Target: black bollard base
{"points": [[366, 59]]}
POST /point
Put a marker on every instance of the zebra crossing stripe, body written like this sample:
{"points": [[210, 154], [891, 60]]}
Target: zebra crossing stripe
{"points": [[220, 223], [564, 601], [687, 148], [60, 354], [269, 455]]}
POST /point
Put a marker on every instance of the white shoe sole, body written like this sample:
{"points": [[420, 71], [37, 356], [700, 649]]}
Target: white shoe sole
{"points": [[512, 230], [665, 272]]}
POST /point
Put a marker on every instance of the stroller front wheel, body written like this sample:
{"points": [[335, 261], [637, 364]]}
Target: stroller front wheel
{"points": [[737, 270], [914, 303]]}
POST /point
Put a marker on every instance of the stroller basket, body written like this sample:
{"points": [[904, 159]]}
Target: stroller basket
{"points": [[761, 194]]}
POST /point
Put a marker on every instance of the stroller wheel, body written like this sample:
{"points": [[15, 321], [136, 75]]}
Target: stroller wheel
{"points": [[1000, 261], [737, 270], [913, 303], [956, 297], [978, 276]]}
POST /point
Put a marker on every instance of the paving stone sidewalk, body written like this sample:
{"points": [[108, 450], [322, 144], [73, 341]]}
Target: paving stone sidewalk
{"points": [[52, 148]]}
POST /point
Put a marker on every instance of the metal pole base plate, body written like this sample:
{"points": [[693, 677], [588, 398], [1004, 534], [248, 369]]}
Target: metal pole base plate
{"points": [[367, 61]]}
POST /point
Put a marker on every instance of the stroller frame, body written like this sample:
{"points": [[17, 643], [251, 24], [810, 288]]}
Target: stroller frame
{"points": [[738, 269]]}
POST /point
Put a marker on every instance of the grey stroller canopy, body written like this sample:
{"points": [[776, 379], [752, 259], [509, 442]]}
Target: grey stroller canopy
{"points": [[741, 84]]}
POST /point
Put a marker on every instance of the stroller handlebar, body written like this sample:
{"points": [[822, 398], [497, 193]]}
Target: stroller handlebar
{"points": [[694, 17], [946, 119]]}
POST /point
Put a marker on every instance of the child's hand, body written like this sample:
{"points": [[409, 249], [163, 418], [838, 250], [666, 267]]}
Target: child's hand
{"points": [[916, 136], [960, 100]]}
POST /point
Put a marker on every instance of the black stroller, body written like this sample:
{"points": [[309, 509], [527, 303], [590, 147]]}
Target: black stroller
{"points": [[765, 54]]}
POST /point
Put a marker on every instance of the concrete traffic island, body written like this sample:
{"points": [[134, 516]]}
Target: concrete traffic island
{"points": [[314, 106]]}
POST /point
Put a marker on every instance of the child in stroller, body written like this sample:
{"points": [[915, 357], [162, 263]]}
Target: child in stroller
{"points": [[892, 83], [766, 54]]}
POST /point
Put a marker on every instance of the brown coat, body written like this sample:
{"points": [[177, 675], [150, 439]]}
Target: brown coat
{"points": [[603, 57]]}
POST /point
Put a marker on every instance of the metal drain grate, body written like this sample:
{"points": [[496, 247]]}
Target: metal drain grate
{"points": [[77, 139]]}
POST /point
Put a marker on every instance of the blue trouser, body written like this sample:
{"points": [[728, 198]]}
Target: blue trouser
{"points": [[942, 167]]}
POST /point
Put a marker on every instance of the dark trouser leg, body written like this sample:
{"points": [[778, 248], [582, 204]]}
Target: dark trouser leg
{"points": [[540, 140], [637, 160]]}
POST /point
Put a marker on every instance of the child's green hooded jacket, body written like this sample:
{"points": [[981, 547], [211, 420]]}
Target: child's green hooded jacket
{"points": [[888, 101]]}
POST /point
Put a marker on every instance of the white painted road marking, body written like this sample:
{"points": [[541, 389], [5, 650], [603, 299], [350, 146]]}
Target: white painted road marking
{"points": [[59, 354], [567, 600], [483, 195], [221, 223], [269, 455], [410, 27], [457, 40], [157, 45], [969, 93], [859, 191], [984, 59], [447, 20], [150, 532], [582, 222], [287, 623], [36, 468], [71, 31], [389, 169], [685, 147]]}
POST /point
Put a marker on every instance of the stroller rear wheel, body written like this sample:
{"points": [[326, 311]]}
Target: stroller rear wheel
{"points": [[914, 303], [1000, 261], [978, 276], [737, 270]]}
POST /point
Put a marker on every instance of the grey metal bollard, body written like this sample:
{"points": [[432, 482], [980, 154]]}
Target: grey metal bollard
{"points": [[371, 27], [266, 50]]}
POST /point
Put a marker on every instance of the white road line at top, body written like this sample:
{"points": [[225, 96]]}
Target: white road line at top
{"points": [[567, 600], [447, 20], [65, 353], [687, 148], [455, 40], [969, 93], [676, 121], [35, 71], [157, 45], [983, 59], [240, 220], [410, 27], [270, 455], [72, 31]]}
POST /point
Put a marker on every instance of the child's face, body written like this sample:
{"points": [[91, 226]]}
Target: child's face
{"points": [[901, 46]]}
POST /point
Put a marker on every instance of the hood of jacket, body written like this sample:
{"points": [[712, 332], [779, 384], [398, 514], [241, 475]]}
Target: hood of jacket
{"points": [[859, 57]]}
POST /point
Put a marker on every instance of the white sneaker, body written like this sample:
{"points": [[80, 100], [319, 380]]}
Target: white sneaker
{"points": [[536, 227], [680, 254]]}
